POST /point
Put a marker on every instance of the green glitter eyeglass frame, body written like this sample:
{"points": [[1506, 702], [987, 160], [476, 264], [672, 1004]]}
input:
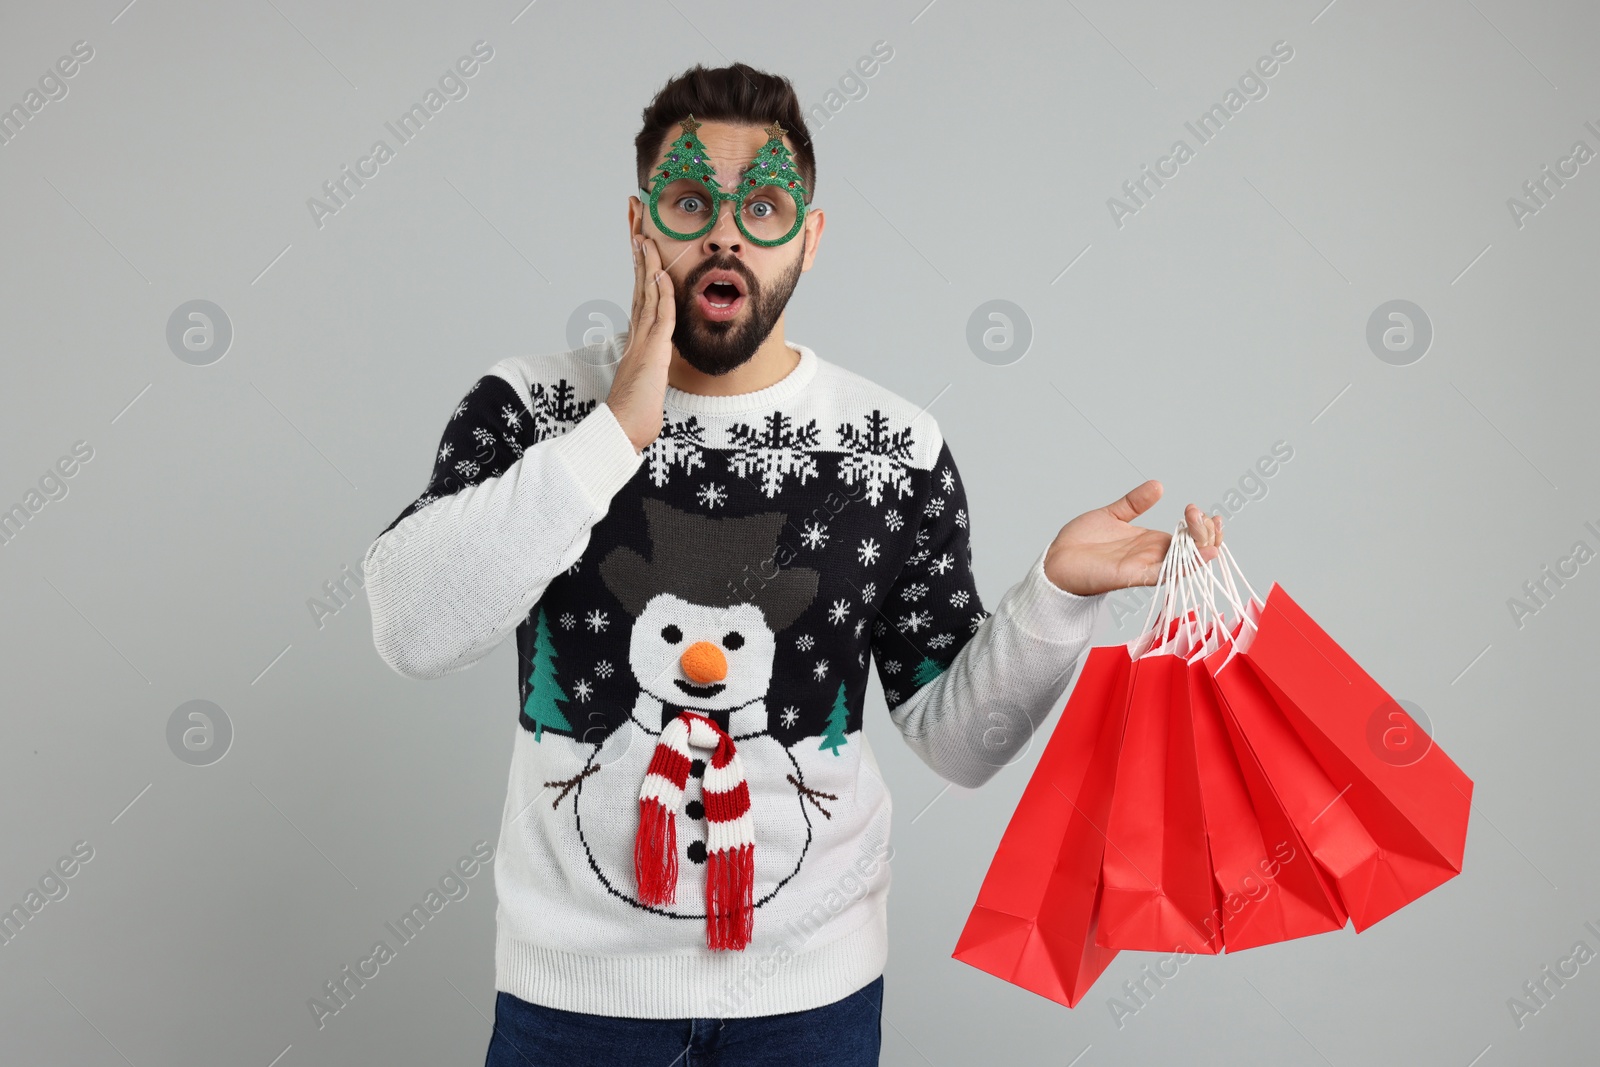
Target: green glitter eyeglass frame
{"points": [[780, 173]]}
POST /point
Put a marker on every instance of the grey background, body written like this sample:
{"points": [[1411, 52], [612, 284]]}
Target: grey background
{"points": [[1229, 313]]}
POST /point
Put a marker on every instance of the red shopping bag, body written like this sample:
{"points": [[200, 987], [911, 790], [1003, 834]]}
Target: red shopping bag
{"points": [[1387, 830], [1036, 914], [1158, 890], [1268, 887]]}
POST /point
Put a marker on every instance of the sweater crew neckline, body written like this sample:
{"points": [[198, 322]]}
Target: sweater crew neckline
{"points": [[784, 388]]}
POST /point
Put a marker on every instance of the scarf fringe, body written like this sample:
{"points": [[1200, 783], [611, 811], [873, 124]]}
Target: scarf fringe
{"points": [[730, 891], [655, 853]]}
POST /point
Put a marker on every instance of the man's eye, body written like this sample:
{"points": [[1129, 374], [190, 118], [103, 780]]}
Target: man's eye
{"points": [[690, 204], [765, 209]]}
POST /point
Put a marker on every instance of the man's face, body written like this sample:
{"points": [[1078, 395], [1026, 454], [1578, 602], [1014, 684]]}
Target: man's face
{"points": [[729, 292]]}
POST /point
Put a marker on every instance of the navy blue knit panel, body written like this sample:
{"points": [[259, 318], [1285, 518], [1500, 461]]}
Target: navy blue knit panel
{"points": [[932, 609]]}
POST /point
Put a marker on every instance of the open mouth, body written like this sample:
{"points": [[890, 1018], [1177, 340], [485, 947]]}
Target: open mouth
{"points": [[721, 295], [700, 690]]}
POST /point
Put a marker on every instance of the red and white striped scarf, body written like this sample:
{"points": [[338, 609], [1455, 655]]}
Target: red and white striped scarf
{"points": [[730, 831]]}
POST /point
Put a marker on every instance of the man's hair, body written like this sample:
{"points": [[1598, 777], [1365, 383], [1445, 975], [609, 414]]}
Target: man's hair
{"points": [[737, 94]]}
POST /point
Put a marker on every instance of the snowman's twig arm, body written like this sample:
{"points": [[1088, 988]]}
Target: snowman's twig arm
{"points": [[567, 784], [812, 794]]}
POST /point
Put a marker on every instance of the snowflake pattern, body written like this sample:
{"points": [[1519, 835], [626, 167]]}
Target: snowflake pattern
{"points": [[839, 611], [567, 620], [582, 689], [891, 697], [959, 598], [916, 620], [940, 640], [891, 666], [861, 624], [961, 518], [679, 445], [805, 642], [603, 669], [776, 452], [868, 552], [943, 564], [893, 520], [554, 406], [815, 536], [876, 456], [935, 507], [790, 716], [914, 591], [947, 480], [977, 620], [869, 592], [512, 417], [596, 621], [819, 670], [711, 494]]}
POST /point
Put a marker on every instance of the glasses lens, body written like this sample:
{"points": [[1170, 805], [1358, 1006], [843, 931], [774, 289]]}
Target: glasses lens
{"points": [[769, 212], [685, 206]]}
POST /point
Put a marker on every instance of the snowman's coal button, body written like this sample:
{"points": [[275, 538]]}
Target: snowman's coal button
{"points": [[695, 810], [698, 768], [697, 852]]}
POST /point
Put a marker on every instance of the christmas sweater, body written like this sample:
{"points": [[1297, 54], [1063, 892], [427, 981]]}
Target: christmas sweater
{"points": [[744, 567]]}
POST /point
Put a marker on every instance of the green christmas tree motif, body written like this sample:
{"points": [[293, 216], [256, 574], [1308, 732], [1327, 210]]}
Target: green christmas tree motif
{"points": [[833, 736], [927, 670], [544, 692], [775, 164], [686, 158]]}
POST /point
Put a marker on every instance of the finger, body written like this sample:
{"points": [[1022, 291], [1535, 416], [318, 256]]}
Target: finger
{"points": [[666, 305], [1137, 501], [652, 264], [638, 276]]}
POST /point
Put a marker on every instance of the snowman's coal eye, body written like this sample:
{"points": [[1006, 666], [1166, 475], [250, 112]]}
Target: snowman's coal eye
{"points": [[671, 634], [734, 639]]}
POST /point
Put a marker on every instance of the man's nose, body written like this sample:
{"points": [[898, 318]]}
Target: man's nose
{"points": [[703, 663], [724, 234]]}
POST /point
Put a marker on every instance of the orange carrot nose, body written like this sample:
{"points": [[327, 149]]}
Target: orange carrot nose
{"points": [[704, 663]]}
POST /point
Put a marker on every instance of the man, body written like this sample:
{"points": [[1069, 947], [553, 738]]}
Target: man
{"points": [[698, 545]]}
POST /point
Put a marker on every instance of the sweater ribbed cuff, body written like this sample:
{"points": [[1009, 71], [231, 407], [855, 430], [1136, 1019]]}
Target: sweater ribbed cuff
{"points": [[1046, 612], [597, 450]]}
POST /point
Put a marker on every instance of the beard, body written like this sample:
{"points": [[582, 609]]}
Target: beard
{"points": [[716, 348]]}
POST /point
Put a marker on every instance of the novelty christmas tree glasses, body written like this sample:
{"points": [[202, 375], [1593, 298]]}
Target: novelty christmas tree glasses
{"points": [[686, 198]]}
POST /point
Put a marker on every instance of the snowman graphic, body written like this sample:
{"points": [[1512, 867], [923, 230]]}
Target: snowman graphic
{"points": [[707, 608]]}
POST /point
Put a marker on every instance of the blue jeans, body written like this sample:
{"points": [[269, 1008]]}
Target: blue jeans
{"points": [[846, 1033]]}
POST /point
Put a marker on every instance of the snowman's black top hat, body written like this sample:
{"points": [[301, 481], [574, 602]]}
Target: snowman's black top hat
{"points": [[718, 562]]}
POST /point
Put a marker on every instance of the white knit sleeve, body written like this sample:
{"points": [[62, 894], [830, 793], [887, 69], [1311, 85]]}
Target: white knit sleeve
{"points": [[505, 513], [980, 714]]}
